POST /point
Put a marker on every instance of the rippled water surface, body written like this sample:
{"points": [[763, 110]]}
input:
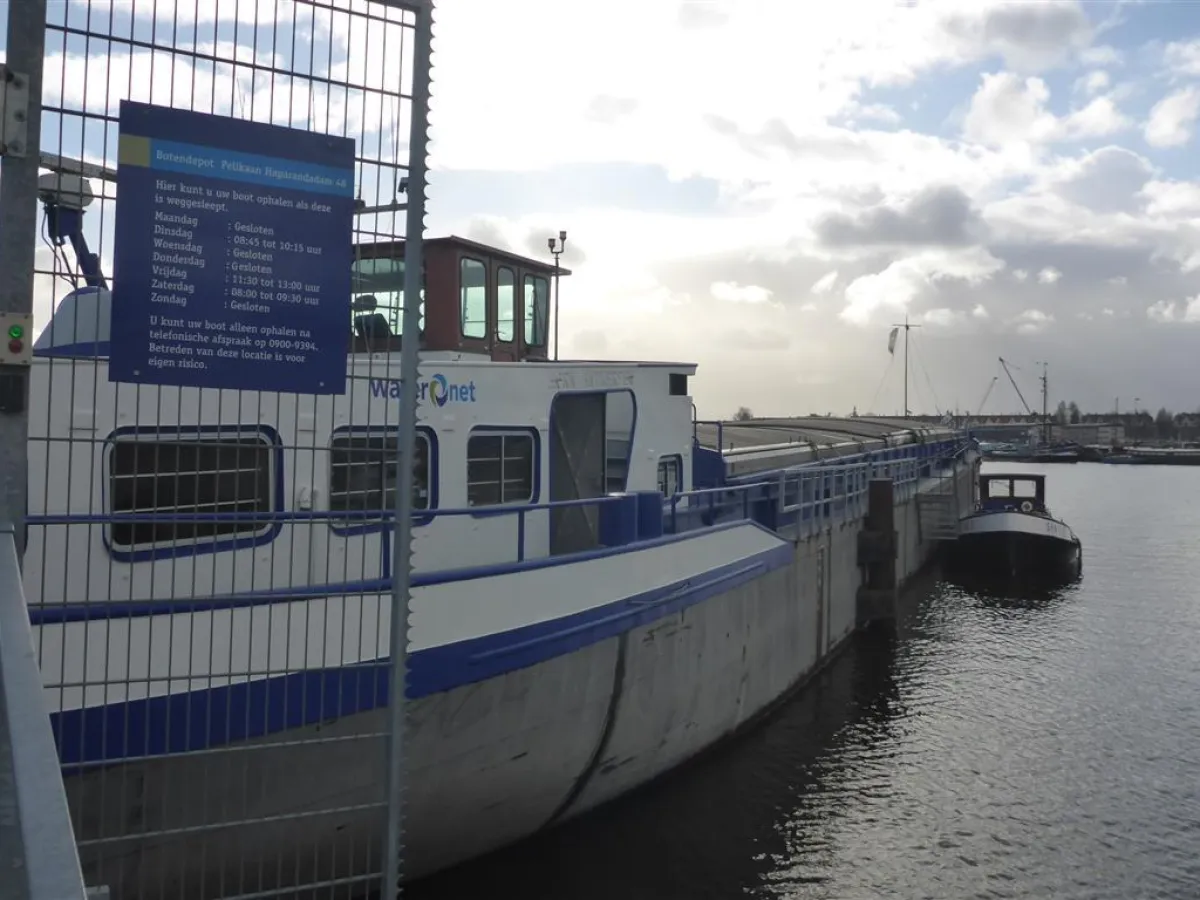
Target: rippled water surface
{"points": [[1037, 746]]}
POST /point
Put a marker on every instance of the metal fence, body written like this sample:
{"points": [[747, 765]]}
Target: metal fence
{"points": [[203, 754]]}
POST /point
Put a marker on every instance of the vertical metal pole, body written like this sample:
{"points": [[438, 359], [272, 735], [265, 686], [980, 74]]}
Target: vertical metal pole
{"points": [[556, 307], [414, 231], [1046, 431], [18, 240]]}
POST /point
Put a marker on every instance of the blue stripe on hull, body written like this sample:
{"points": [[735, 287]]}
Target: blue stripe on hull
{"points": [[199, 720]]}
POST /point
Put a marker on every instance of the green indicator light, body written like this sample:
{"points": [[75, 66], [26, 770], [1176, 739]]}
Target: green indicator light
{"points": [[16, 332]]}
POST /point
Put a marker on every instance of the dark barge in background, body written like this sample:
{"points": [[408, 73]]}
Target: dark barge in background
{"points": [[1011, 534]]}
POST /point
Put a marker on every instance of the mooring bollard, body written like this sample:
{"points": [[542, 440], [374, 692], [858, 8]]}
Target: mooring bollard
{"points": [[877, 555]]}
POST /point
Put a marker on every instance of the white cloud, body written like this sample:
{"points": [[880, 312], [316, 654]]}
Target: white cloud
{"points": [[943, 317], [825, 283], [729, 292], [1172, 198], [1049, 275], [1183, 57], [1101, 55], [1166, 312], [1033, 321], [1093, 82], [1172, 118], [903, 281], [1007, 108]]}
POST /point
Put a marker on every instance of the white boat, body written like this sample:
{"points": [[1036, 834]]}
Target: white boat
{"points": [[1011, 533], [594, 600]]}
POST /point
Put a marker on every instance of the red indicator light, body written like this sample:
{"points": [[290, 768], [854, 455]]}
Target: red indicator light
{"points": [[15, 346]]}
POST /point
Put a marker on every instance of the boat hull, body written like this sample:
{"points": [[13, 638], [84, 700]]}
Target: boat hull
{"points": [[1015, 545], [489, 763]]}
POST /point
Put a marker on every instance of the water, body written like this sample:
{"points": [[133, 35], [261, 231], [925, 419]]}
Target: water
{"points": [[1036, 746]]}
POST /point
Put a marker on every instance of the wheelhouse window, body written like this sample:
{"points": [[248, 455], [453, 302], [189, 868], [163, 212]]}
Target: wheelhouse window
{"points": [[377, 287], [473, 298], [998, 489], [537, 310], [169, 475], [362, 472], [506, 305], [670, 475], [500, 469]]}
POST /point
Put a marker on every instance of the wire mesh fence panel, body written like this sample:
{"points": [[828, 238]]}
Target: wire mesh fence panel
{"points": [[220, 289]]}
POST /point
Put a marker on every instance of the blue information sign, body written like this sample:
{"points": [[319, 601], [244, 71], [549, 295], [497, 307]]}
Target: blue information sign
{"points": [[233, 253]]}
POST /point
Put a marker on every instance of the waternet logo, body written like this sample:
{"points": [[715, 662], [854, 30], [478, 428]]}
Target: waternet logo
{"points": [[438, 390]]}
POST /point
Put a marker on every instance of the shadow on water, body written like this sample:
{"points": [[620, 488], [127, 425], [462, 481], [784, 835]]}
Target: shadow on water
{"points": [[712, 828], [1010, 593]]}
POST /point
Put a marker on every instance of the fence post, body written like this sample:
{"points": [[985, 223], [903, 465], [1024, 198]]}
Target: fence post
{"points": [[414, 230], [18, 241]]}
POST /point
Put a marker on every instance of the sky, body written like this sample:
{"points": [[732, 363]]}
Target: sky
{"points": [[766, 187]]}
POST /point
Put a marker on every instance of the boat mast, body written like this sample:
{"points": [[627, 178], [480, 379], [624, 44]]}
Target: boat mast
{"points": [[1045, 405], [906, 327]]}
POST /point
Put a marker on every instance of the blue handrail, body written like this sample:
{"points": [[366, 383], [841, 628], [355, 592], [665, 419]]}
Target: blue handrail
{"points": [[902, 471], [805, 498]]}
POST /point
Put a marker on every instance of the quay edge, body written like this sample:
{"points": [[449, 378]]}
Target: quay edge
{"points": [[497, 760]]}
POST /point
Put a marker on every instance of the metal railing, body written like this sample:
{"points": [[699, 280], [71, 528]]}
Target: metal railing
{"points": [[805, 498], [38, 857]]}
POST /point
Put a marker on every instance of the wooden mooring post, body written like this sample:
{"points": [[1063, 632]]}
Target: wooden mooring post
{"points": [[877, 595]]}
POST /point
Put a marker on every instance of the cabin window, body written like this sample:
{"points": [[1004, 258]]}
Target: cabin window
{"points": [[473, 298], [362, 472], [506, 305], [999, 489], [537, 310], [670, 475], [377, 288], [219, 473], [500, 468]]}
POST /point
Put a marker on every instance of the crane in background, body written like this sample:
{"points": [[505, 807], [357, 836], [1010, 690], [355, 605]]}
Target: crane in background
{"points": [[1045, 380]]}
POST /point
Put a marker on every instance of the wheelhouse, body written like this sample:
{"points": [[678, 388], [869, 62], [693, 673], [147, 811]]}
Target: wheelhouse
{"points": [[475, 299], [1009, 492]]}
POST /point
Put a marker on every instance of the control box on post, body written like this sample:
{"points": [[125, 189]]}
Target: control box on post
{"points": [[17, 329], [16, 356]]}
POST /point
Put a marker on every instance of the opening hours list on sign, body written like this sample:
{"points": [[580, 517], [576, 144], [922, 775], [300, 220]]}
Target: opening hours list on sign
{"points": [[232, 254]]}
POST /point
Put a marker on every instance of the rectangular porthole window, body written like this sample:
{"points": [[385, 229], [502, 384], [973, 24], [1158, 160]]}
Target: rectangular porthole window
{"points": [[217, 473], [500, 469], [362, 473]]}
